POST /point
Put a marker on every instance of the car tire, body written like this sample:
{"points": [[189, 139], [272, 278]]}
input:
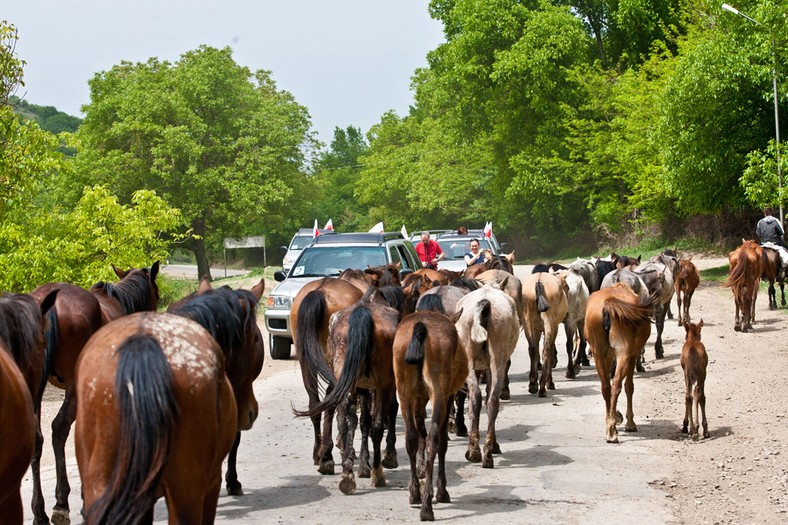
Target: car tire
{"points": [[279, 347]]}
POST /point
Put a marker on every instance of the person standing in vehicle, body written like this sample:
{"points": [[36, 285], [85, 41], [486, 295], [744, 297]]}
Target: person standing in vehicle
{"points": [[769, 229], [475, 256], [429, 251]]}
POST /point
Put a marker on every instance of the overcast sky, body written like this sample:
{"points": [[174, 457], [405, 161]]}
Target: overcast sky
{"points": [[347, 61]]}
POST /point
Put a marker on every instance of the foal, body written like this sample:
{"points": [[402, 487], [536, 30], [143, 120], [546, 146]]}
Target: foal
{"points": [[693, 361], [687, 280]]}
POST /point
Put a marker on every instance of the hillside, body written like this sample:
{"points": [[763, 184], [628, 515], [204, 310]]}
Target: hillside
{"points": [[48, 117]]}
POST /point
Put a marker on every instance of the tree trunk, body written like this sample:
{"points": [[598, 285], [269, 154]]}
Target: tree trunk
{"points": [[198, 248]]}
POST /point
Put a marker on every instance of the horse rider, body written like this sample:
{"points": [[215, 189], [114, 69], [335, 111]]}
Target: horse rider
{"points": [[771, 232], [429, 251]]}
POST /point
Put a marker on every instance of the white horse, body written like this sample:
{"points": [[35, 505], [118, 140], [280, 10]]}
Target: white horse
{"points": [[576, 297]]}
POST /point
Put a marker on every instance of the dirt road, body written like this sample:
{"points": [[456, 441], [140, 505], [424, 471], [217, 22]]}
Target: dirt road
{"points": [[555, 466]]}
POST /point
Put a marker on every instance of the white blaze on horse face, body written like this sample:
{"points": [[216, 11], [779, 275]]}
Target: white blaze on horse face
{"points": [[175, 334]]}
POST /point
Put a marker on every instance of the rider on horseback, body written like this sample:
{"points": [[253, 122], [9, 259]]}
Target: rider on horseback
{"points": [[770, 232]]}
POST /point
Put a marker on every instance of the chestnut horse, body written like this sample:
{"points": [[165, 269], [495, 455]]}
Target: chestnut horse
{"points": [[310, 313], [687, 281], [429, 365], [773, 270], [155, 417], [17, 434], [360, 346], [694, 360], [78, 313], [230, 317], [617, 326], [497, 262], [744, 277], [488, 330]]}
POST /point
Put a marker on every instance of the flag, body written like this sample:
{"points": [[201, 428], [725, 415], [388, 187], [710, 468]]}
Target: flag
{"points": [[329, 225], [488, 230], [378, 228], [315, 231], [404, 232]]}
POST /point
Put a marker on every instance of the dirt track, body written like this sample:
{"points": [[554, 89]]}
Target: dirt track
{"points": [[555, 466]]}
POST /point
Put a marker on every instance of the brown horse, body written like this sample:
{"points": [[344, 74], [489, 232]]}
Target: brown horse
{"points": [[312, 309], [744, 276], [155, 417], [773, 270], [360, 346], [687, 281], [617, 326], [77, 314], [546, 307], [497, 262], [694, 361], [17, 434], [429, 365], [488, 330], [230, 317]]}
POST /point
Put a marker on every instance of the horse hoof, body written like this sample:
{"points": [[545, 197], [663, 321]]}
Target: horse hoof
{"points": [[61, 517], [612, 439], [505, 395], [632, 428], [452, 428], [427, 515], [619, 418], [585, 362], [640, 368], [326, 468], [496, 449], [462, 431], [364, 471], [347, 485], [234, 489], [378, 479], [551, 386], [737, 328], [442, 496], [488, 462], [542, 392], [390, 461], [706, 434], [532, 388], [474, 456]]}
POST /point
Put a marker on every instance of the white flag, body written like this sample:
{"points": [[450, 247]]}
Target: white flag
{"points": [[378, 228], [315, 231], [404, 232]]}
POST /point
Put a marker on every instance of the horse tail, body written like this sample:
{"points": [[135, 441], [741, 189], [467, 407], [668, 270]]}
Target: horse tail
{"points": [[51, 338], [631, 314], [542, 305], [431, 302], [481, 320], [311, 313], [146, 418], [359, 347], [415, 352], [737, 277]]}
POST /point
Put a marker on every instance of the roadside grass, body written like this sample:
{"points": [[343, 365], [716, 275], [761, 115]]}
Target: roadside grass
{"points": [[172, 289]]}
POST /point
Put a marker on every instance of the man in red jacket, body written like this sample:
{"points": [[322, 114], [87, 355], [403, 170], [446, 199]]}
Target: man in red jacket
{"points": [[429, 251]]}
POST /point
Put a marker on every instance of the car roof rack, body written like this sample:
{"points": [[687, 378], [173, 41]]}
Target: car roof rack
{"points": [[358, 237]]}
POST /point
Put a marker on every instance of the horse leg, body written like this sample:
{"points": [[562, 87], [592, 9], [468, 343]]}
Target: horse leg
{"points": [[772, 295], [310, 385], [687, 302], [421, 421], [326, 464], [493, 403], [659, 314], [433, 444], [348, 482], [702, 402], [629, 387], [474, 453], [61, 426], [231, 477], [39, 511], [459, 415], [572, 367], [687, 402], [411, 446], [380, 412], [694, 401], [678, 304], [781, 281], [505, 392], [390, 455], [533, 375], [441, 494], [365, 423], [603, 363]]}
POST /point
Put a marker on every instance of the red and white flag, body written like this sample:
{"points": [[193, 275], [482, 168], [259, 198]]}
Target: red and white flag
{"points": [[488, 230], [404, 232], [315, 231], [378, 228], [329, 225]]}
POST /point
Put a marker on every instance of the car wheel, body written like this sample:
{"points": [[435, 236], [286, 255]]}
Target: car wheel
{"points": [[279, 347]]}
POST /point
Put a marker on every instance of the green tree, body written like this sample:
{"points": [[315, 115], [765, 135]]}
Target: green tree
{"points": [[213, 139]]}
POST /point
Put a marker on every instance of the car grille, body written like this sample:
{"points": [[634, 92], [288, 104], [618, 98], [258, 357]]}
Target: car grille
{"points": [[277, 324]]}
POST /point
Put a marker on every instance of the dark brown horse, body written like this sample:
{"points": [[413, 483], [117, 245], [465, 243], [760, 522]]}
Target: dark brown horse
{"points": [[17, 434], [78, 314], [312, 308], [694, 361], [429, 365], [230, 317], [360, 347], [687, 281], [744, 276], [773, 271], [617, 326], [497, 262], [155, 418]]}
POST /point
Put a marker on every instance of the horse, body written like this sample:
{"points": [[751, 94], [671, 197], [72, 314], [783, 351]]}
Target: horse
{"points": [[310, 313], [358, 278], [602, 268], [687, 281], [503, 262], [576, 299], [156, 416], [488, 329], [744, 275], [659, 280], [429, 365], [636, 284], [230, 317], [617, 326], [694, 360], [360, 346], [773, 270], [669, 258], [18, 425], [623, 261], [78, 314], [548, 268], [546, 307]]}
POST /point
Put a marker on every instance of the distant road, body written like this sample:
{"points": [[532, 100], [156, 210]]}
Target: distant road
{"points": [[182, 271]]}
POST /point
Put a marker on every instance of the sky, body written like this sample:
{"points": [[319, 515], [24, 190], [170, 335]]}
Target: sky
{"points": [[347, 61]]}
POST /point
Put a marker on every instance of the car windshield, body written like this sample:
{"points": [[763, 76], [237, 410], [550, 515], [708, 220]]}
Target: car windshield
{"points": [[456, 248], [299, 241], [331, 260]]}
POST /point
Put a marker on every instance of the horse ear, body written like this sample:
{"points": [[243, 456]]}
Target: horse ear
{"points": [[455, 316], [510, 257], [205, 285], [639, 256], [258, 289], [700, 324], [120, 273], [48, 302], [154, 271]]}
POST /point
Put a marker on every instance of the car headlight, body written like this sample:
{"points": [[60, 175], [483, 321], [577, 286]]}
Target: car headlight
{"points": [[278, 301]]}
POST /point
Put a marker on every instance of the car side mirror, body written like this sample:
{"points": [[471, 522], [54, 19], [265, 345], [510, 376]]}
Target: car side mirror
{"points": [[283, 248], [279, 276]]}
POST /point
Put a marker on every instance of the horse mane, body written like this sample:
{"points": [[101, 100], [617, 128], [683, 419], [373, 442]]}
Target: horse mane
{"points": [[500, 262], [431, 302], [468, 284], [133, 292], [20, 326]]}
